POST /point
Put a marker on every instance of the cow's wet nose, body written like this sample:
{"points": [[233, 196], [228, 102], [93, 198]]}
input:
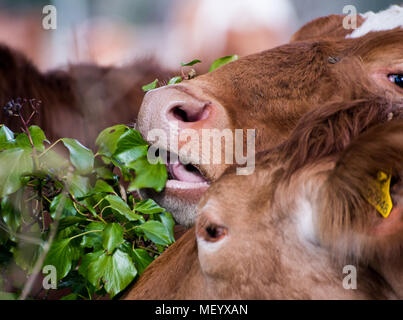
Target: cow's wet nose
{"points": [[178, 108]]}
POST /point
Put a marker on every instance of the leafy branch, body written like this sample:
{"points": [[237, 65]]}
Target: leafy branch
{"points": [[76, 214]]}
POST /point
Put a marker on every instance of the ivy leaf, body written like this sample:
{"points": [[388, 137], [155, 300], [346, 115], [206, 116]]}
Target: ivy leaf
{"points": [[141, 259], [148, 206], [60, 256], [112, 237], [105, 173], [169, 223], [71, 296], [148, 175], [26, 254], [191, 63], [175, 80], [61, 202], [122, 207], [130, 147], [38, 137], [93, 239], [116, 271], [108, 138], [53, 163], [221, 61], [79, 186], [13, 164], [150, 86], [70, 221], [102, 187], [156, 232], [6, 138], [81, 157], [10, 215]]}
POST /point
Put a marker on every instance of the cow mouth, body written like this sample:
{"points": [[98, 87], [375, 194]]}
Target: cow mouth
{"points": [[185, 176]]}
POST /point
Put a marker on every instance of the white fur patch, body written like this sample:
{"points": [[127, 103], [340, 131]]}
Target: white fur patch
{"points": [[384, 20], [305, 220]]}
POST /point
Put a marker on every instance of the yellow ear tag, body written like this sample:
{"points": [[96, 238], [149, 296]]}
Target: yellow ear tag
{"points": [[379, 194]]}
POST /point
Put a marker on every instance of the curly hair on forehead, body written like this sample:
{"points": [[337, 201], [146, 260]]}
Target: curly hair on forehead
{"points": [[329, 129]]}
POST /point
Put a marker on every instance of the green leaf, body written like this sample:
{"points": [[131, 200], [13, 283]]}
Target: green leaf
{"points": [[191, 63], [148, 175], [169, 223], [112, 236], [102, 187], [13, 164], [81, 157], [156, 232], [60, 256], [38, 137], [150, 86], [108, 138], [221, 61], [148, 206], [70, 221], [26, 254], [130, 147], [63, 203], [141, 259], [79, 186], [175, 80], [116, 271], [86, 261], [94, 239], [122, 207], [6, 138], [105, 173], [71, 296], [53, 162], [10, 215]]}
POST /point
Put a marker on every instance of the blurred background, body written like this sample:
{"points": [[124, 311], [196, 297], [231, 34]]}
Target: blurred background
{"points": [[173, 31]]}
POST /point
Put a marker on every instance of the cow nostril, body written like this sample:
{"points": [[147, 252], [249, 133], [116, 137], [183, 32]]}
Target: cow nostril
{"points": [[190, 114], [179, 114], [215, 233]]}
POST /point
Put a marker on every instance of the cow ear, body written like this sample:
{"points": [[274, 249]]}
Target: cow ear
{"points": [[330, 27], [360, 207]]}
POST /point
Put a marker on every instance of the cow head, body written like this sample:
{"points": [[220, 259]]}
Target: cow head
{"points": [[289, 230], [269, 92]]}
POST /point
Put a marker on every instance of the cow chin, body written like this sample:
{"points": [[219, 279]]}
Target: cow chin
{"points": [[181, 203]]}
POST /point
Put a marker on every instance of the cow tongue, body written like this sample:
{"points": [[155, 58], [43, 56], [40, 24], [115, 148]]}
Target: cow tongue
{"points": [[185, 173]]}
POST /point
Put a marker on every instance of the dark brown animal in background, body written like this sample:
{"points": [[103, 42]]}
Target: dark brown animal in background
{"points": [[77, 102], [306, 219]]}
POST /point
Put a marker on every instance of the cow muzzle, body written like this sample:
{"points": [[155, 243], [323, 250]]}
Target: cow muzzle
{"points": [[174, 120]]}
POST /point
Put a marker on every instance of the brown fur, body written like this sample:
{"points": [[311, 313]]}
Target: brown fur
{"points": [[330, 27], [78, 102], [267, 218]]}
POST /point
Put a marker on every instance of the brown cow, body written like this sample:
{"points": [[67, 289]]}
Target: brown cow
{"points": [[269, 92], [77, 102], [306, 220]]}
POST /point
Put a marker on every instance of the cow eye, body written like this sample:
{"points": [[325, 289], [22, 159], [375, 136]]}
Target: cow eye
{"points": [[396, 79]]}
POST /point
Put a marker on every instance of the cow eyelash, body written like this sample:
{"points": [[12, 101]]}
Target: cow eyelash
{"points": [[396, 79]]}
